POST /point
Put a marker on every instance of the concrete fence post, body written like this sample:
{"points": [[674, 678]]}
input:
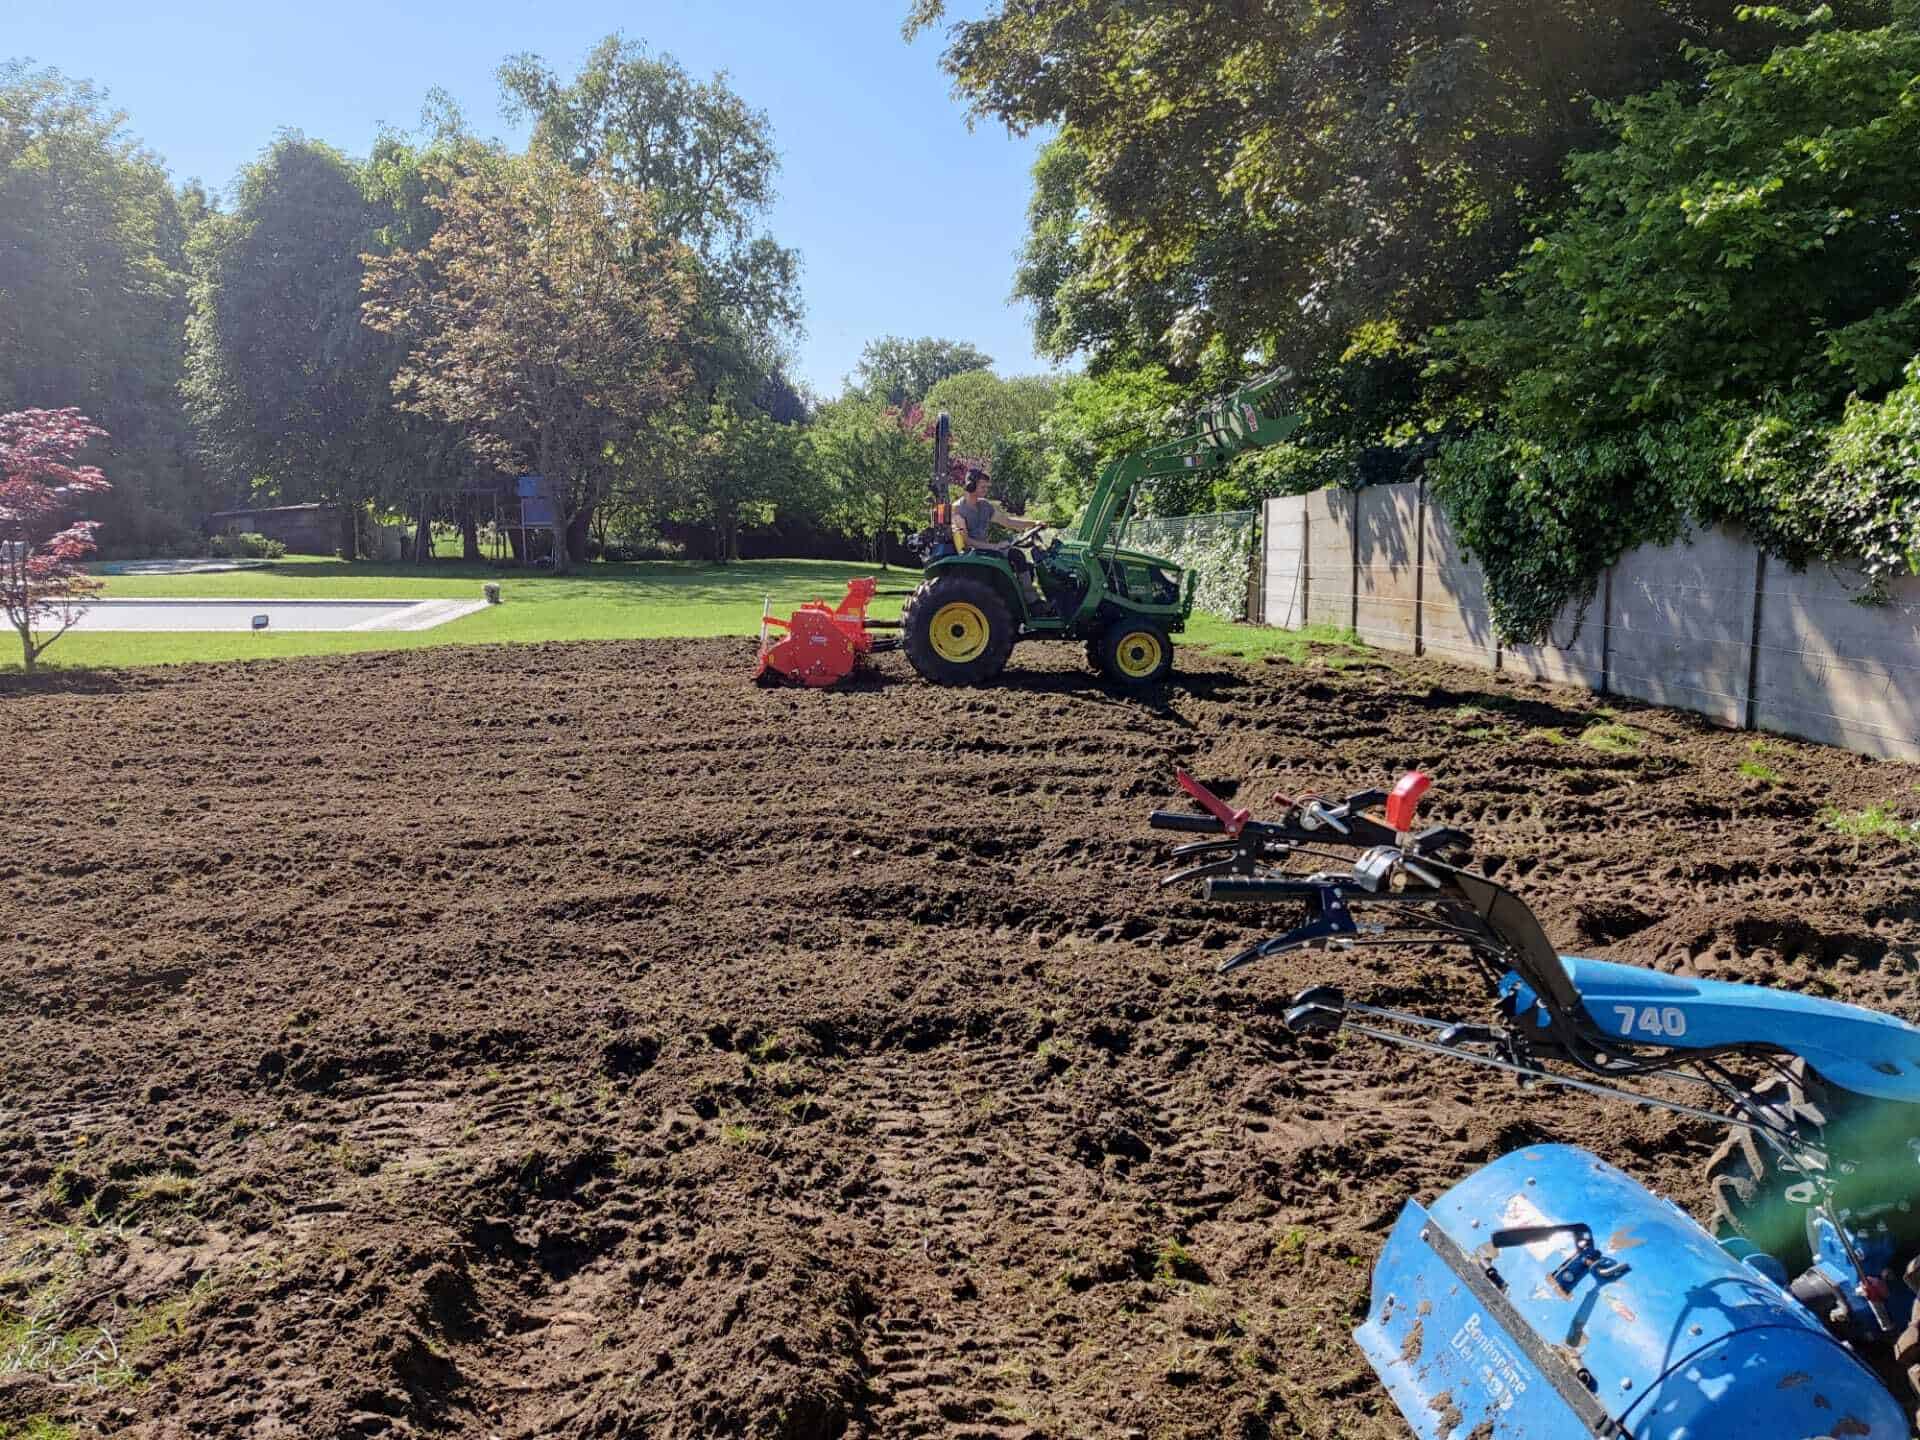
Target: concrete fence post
{"points": [[1353, 522], [1420, 567], [1606, 631], [1306, 562], [1257, 570], [1752, 708]]}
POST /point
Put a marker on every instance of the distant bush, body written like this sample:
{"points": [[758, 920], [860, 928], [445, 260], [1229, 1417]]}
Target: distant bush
{"points": [[249, 546]]}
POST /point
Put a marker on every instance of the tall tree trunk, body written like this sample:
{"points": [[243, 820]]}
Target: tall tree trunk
{"points": [[562, 558], [577, 530], [349, 532], [423, 534], [469, 530]]}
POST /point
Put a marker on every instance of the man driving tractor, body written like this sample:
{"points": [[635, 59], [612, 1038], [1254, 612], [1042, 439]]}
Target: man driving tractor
{"points": [[973, 520]]}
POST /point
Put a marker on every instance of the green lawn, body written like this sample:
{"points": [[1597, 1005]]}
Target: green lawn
{"points": [[653, 599], [602, 602]]}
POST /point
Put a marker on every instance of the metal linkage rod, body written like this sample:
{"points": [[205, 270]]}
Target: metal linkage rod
{"points": [[1547, 1077]]}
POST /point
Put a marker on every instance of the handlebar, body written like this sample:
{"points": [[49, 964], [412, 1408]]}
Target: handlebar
{"points": [[1259, 887], [1191, 824]]}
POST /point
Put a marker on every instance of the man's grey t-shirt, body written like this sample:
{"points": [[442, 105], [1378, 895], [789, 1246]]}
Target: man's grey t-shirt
{"points": [[978, 516]]}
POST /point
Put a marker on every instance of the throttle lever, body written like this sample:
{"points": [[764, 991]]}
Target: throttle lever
{"points": [[1204, 847], [1317, 1010], [1316, 812], [1314, 1019]]}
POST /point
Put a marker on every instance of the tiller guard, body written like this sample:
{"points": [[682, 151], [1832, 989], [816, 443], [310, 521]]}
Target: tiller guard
{"points": [[822, 644]]}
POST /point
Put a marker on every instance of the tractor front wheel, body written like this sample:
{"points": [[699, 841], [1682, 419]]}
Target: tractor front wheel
{"points": [[1135, 653], [957, 631]]}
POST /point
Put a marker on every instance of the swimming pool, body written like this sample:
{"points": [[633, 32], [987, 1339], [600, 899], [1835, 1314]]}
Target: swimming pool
{"points": [[282, 615]]}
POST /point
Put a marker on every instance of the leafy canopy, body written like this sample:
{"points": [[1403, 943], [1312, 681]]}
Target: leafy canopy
{"points": [[898, 371], [1281, 175], [703, 153], [1713, 328], [545, 317], [93, 290]]}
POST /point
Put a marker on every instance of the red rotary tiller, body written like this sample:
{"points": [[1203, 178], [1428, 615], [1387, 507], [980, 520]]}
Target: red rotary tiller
{"points": [[822, 643]]}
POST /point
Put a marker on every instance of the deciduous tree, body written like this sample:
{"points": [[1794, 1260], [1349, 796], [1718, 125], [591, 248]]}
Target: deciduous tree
{"points": [[546, 317], [706, 156], [42, 585], [93, 293], [875, 460], [292, 394], [897, 371], [999, 420]]}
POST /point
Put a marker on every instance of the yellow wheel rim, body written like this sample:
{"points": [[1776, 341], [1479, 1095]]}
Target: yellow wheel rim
{"points": [[959, 632], [1139, 654]]}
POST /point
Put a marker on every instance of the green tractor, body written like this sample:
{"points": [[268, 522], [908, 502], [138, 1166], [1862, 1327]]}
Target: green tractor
{"points": [[971, 608]]}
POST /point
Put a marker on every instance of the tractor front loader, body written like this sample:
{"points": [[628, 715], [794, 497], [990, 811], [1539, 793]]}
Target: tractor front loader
{"points": [[971, 609]]}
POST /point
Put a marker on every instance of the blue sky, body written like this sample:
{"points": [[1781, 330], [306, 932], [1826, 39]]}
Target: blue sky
{"points": [[908, 222]]}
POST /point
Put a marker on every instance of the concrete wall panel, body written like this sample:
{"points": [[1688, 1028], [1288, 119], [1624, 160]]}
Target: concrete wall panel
{"points": [[1682, 616], [1830, 669], [1575, 649], [1330, 558], [1675, 625], [1385, 571], [1284, 528], [1455, 622]]}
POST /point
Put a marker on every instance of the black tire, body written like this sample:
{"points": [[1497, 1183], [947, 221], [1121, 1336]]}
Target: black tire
{"points": [[1093, 653], [964, 662], [1135, 653], [1747, 1185]]}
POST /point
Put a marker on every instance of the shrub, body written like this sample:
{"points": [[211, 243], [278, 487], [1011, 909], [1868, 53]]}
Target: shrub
{"points": [[248, 546]]}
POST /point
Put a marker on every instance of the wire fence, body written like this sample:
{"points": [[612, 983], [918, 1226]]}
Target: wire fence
{"points": [[1217, 547]]}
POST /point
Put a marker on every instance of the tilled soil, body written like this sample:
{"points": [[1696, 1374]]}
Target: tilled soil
{"points": [[581, 1041]]}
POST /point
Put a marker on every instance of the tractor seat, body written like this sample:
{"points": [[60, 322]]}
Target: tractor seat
{"points": [[1856, 1049]]}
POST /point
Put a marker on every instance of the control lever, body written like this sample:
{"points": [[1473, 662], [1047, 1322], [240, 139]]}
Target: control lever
{"points": [[1330, 918], [1232, 820], [1314, 1019], [1439, 840], [1235, 857], [1319, 1010], [1315, 812]]}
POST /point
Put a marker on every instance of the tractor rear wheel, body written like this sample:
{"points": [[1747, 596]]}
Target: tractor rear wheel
{"points": [[957, 631], [1135, 652]]}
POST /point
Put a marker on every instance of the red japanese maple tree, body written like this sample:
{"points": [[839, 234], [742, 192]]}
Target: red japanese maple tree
{"points": [[42, 587]]}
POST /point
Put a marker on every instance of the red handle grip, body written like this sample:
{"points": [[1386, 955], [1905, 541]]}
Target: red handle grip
{"points": [[1234, 820], [1405, 799]]}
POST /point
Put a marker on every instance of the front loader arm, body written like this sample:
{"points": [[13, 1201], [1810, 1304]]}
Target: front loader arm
{"points": [[1235, 425]]}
